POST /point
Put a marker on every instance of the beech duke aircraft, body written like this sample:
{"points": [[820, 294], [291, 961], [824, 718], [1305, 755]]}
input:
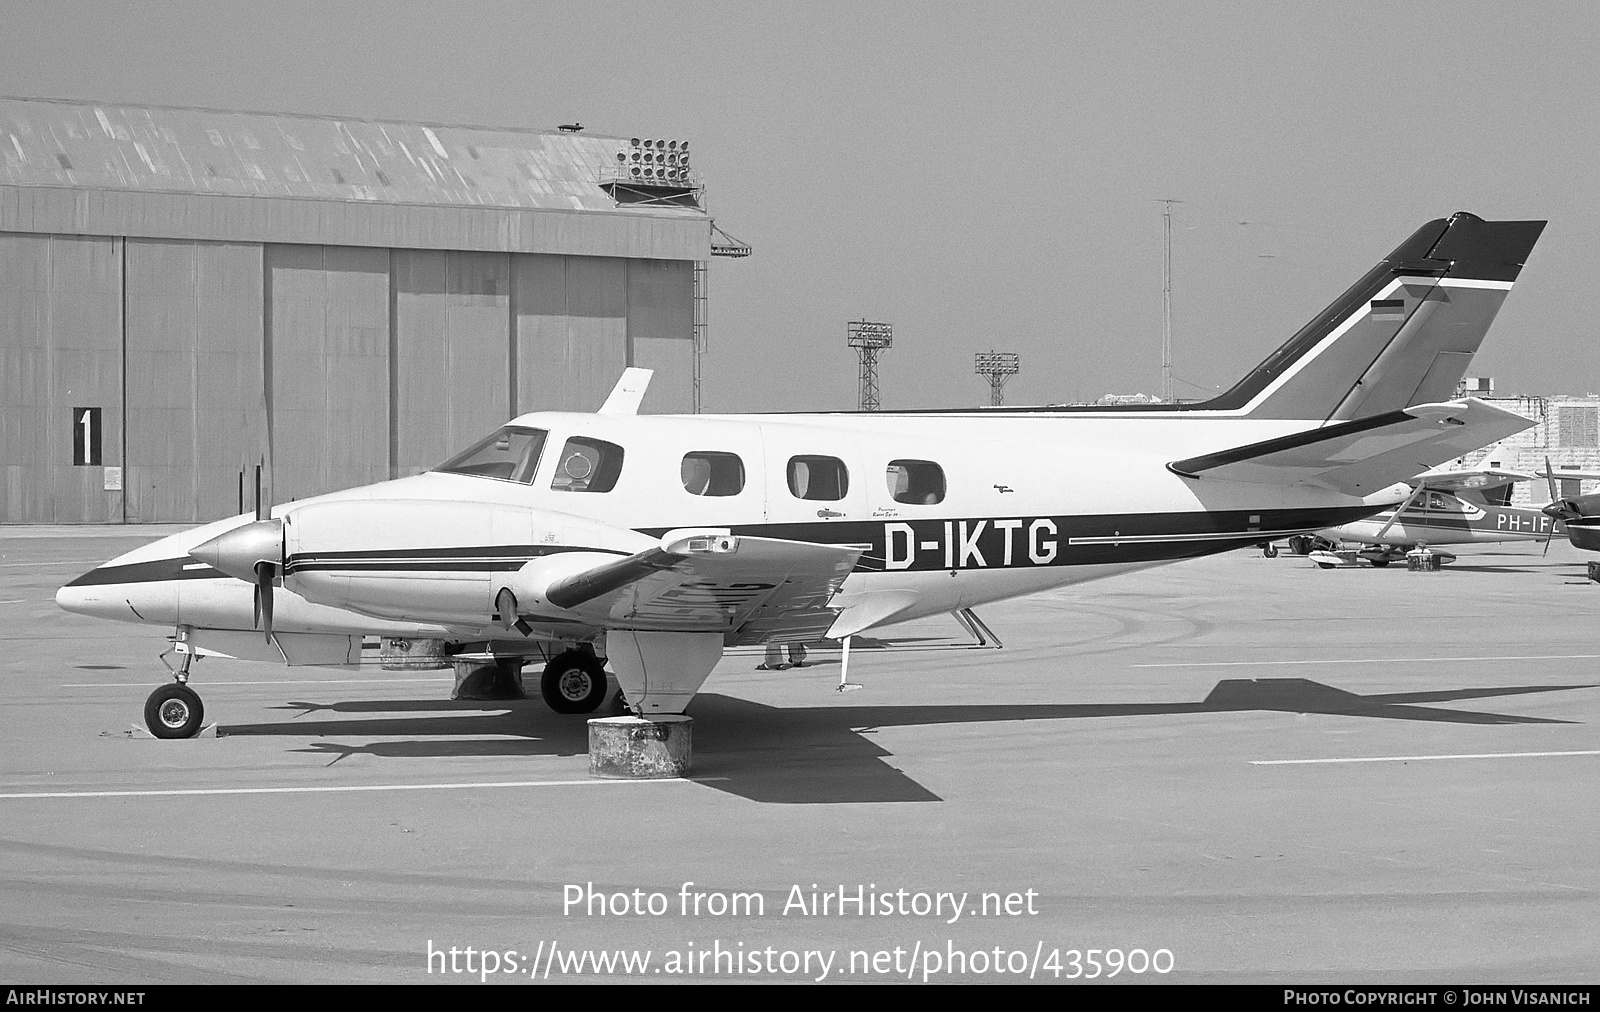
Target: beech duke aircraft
{"points": [[654, 542]]}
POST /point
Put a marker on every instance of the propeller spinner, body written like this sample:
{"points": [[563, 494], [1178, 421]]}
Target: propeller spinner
{"points": [[252, 553]]}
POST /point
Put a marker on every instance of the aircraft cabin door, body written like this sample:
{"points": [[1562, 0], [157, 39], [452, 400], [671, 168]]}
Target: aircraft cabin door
{"points": [[815, 477]]}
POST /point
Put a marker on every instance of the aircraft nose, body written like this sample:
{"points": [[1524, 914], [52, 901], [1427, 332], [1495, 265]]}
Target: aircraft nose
{"points": [[82, 598]]}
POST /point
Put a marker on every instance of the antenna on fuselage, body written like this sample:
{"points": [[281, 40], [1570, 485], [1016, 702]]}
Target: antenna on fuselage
{"points": [[629, 391]]}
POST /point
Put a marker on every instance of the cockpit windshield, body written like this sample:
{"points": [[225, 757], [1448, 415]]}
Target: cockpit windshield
{"points": [[512, 454]]}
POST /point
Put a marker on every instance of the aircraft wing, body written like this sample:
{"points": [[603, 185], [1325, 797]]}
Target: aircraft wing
{"points": [[1571, 474], [750, 589], [1362, 456], [1462, 480]]}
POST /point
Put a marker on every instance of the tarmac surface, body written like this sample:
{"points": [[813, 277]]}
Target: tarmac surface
{"points": [[1268, 772]]}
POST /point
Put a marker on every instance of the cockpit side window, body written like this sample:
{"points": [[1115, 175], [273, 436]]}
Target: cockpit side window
{"points": [[824, 479], [511, 454], [587, 465], [915, 481], [708, 472]]}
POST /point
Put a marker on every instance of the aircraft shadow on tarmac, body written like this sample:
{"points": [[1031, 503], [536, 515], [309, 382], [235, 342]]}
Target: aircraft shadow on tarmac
{"points": [[821, 754]]}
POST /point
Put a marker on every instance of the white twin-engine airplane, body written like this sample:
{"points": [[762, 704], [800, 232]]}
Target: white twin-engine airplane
{"points": [[654, 542]]}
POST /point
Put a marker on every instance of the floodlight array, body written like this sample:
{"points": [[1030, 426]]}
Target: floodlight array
{"points": [[996, 363], [649, 160], [863, 334]]}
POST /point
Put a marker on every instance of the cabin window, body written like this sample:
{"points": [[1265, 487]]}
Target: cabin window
{"points": [[587, 465], [915, 481], [822, 478], [707, 472], [512, 454]]}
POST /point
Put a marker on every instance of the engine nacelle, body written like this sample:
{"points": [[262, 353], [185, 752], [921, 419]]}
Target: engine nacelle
{"points": [[430, 560]]}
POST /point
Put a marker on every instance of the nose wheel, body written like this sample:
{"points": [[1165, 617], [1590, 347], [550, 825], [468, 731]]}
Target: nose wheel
{"points": [[174, 711]]}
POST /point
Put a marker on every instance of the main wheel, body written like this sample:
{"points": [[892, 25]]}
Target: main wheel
{"points": [[1379, 563], [1269, 550], [174, 711], [574, 682]]}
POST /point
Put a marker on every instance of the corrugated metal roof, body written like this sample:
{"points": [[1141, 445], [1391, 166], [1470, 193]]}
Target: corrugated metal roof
{"points": [[95, 145]]}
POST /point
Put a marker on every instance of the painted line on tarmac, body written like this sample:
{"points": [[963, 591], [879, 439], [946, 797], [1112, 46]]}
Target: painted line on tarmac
{"points": [[46, 563], [1371, 660], [359, 788], [1414, 758], [276, 681]]}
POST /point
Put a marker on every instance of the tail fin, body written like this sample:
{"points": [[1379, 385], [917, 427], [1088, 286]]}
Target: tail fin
{"points": [[1402, 335]]}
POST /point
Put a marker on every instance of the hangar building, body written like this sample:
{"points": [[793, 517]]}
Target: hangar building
{"points": [[188, 293]]}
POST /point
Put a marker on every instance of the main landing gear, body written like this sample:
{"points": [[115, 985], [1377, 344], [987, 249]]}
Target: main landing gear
{"points": [[574, 682], [174, 710]]}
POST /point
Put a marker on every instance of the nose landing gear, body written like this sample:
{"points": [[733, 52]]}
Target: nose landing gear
{"points": [[174, 710]]}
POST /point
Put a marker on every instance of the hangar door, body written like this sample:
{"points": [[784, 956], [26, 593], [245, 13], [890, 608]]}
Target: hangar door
{"points": [[196, 420]]}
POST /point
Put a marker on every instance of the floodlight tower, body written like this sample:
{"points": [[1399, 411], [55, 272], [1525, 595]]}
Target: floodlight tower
{"points": [[996, 367], [868, 339]]}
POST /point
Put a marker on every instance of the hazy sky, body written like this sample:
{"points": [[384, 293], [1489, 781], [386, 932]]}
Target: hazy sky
{"points": [[979, 175]]}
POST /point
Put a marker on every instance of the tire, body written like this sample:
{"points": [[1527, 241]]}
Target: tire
{"points": [[1379, 563], [174, 711], [574, 682], [1269, 550], [1324, 565]]}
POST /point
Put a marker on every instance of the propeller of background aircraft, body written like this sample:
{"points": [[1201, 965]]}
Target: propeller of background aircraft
{"points": [[1580, 514], [1551, 511]]}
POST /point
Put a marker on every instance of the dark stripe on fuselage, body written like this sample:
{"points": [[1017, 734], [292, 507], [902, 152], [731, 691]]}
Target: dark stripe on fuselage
{"points": [[482, 559], [973, 543], [941, 543], [154, 571]]}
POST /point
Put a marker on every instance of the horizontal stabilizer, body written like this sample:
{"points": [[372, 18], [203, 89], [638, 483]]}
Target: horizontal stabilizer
{"points": [[1363, 456]]}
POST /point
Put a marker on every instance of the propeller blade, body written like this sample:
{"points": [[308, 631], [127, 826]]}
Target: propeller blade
{"points": [[1550, 476], [265, 571]]}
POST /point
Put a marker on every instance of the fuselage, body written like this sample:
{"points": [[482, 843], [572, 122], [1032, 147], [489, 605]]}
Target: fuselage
{"points": [[960, 509]]}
